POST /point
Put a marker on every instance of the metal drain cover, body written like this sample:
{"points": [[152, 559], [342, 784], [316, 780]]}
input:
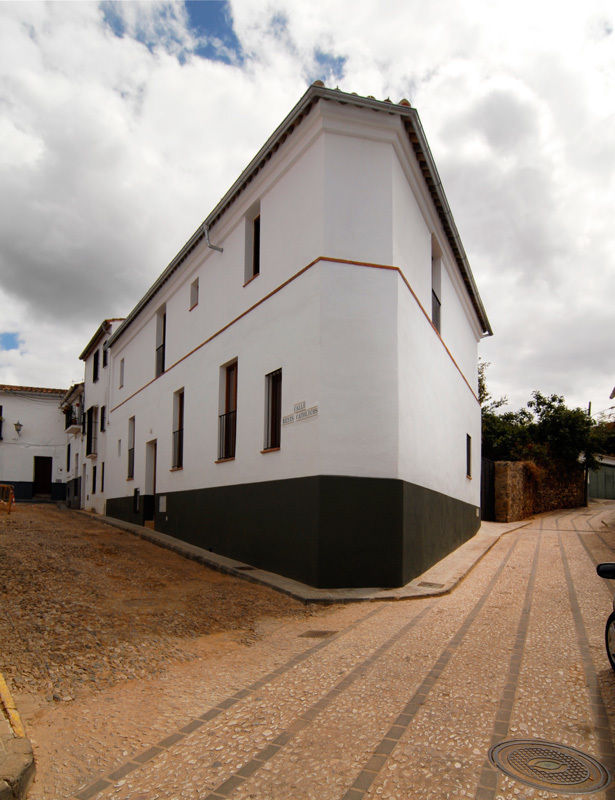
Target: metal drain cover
{"points": [[550, 766]]}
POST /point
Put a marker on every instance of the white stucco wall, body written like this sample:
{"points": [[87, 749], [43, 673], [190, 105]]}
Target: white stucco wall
{"points": [[351, 340], [42, 435]]}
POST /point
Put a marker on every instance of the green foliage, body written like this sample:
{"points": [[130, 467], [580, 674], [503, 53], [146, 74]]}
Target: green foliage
{"points": [[546, 432]]}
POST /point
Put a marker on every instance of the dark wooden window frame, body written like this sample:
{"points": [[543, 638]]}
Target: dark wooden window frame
{"points": [[273, 410]]}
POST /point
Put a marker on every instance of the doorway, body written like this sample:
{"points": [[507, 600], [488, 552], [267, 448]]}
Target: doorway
{"points": [[42, 475]]}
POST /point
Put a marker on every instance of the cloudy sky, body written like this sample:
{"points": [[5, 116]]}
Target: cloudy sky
{"points": [[122, 124]]}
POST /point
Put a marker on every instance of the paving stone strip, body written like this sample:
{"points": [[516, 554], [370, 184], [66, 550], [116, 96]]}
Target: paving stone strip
{"points": [[488, 780], [103, 783], [223, 791], [602, 728], [608, 585], [389, 742]]}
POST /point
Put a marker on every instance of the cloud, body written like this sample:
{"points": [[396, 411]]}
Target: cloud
{"points": [[122, 124]]}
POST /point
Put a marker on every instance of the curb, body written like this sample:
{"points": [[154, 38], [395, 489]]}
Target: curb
{"points": [[439, 579], [16, 757]]}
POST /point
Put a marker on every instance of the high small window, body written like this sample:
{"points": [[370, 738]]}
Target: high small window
{"points": [[468, 455], [121, 381], [273, 409], [105, 355], [178, 429], [0, 423], [227, 430], [68, 458], [253, 243], [95, 366], [161, 337], [436, 285], [194, 293], [103, 418], [102, 477], [94, 479], [131, 448]]}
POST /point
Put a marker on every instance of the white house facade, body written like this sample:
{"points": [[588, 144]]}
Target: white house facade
{"points": [[86, 412], [32, 442], [298, 388]]}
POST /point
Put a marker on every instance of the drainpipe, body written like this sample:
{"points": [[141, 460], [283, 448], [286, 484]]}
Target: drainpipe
{"points": [[209, 244]]}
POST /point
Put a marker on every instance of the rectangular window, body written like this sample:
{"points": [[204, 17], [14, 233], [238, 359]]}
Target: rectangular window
{"points": [[273, 409], [105, 355], [468, 455], [68, 458], [1, 420], [178, 429], [194, 293], [161, 337], [121, 383], [102, 477], [91, 420], [94, 479], [131, 448], [253, 243], [95, 366], [103, 418], [135, 501], [436, 285], [228, 418], [119, 448]]}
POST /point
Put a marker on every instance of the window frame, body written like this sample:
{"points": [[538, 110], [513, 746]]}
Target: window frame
{"points": [[227, 418], [273, 411], [130, 472], [194, 294], [177, 448]]}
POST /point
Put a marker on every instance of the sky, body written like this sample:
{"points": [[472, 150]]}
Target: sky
{"points": [[122, 125]]}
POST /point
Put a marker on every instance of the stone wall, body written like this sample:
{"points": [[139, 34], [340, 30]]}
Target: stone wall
{"points": [[522, 489]]}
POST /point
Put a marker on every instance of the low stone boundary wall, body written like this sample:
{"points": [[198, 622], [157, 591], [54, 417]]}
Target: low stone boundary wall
{"points": [[522, 488]]}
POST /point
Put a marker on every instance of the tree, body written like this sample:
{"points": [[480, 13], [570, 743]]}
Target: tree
{"points": [[546, 432]]}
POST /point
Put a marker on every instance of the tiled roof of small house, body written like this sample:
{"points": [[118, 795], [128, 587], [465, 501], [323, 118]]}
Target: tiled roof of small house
{"points": [[6, 387]]}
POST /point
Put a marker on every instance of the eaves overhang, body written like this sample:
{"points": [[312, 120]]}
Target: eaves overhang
{"points": [[315, 92], [103, 328]]}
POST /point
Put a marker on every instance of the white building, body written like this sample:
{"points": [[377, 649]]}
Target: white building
{"points": [[85, 406], [298, 388], [32, 442]]}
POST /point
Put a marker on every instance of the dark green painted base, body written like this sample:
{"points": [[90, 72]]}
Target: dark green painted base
{"points": [[24, 490], [326, 531]]}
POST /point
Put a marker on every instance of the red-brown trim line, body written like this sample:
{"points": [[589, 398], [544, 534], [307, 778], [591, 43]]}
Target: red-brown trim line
{"points": [[270, 450], [282, 286], [194, 306], [224, 460]]}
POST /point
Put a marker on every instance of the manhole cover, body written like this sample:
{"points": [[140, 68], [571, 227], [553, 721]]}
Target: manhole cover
{"points": [[316, 634], [551, 766]]}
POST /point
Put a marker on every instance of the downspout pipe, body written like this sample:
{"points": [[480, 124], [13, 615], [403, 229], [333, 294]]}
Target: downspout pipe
{"points": [[208, 243]]}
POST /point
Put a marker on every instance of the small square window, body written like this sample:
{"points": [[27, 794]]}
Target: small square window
{"points": [[121, 383], [194, 293]]}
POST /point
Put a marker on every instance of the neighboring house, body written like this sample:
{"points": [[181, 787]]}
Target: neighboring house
{"points": [[298, 388], [32, 442], [85, 407], [74, 425]]}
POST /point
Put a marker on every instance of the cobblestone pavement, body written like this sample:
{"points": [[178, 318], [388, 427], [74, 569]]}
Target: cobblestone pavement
{"points": [[383, 700]]}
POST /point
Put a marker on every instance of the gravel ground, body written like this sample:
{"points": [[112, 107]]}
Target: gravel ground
{"points": [[83, 606]]}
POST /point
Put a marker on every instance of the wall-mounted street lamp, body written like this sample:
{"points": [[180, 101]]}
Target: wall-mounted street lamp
{"points": [[18, 427]]}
